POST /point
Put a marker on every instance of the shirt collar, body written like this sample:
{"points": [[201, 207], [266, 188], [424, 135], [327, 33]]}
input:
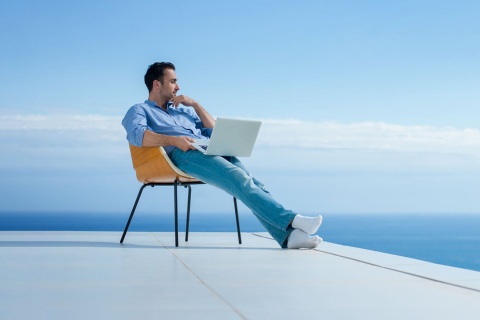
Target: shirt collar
{"points": [[155, 105], [152, 103]]}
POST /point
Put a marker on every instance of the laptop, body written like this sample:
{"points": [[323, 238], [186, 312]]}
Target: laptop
{"points": [[230, 137]]}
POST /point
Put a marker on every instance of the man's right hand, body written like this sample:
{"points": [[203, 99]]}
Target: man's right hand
{"points": [[183, 143]]}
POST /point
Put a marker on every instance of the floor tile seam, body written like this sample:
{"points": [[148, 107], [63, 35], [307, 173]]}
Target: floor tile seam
{"points": [[209, 288], [402, 271], [213, 291], [390, 268]]}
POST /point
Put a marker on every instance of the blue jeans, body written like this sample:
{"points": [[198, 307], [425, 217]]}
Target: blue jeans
{"points": [[229, 174]]}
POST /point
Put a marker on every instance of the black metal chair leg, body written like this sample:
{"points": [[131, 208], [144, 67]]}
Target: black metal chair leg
{"points": [[176, 212], [133, 212], [175, 187], [188, 212], [238, 220]]}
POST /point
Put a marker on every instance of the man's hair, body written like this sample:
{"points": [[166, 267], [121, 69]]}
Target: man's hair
{"points": [[155, 72]]}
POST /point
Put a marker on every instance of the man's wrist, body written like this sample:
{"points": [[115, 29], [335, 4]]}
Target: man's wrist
{"points": [[169, 140], [196, 105]]}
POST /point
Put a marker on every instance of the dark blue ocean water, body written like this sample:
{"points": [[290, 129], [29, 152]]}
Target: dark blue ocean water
{"points": [[449, 239]]}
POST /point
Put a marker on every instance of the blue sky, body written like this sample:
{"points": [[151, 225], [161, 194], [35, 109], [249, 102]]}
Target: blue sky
{"points": [[368, 106]]}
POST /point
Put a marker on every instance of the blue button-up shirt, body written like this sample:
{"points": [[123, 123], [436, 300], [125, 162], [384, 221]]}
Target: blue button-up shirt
{"points": [[179, 121]]}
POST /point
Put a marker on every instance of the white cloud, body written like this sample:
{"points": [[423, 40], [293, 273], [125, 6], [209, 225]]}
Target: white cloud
{"points": [[49, 132], [377, 136], [32, 122], [86, 141], [61, 130], [61, 141]]}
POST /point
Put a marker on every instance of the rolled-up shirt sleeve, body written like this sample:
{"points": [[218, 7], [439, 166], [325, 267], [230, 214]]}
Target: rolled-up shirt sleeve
{"points": [[135, 123], [179, 121]]}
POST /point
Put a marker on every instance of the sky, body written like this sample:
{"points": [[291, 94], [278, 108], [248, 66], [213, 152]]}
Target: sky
{"points": [[367, 106]]}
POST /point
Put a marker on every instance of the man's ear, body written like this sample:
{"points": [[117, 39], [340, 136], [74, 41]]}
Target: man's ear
{"points": [[157, 84]]}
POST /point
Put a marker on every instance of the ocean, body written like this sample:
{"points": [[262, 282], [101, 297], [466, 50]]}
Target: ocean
{"points": [[448, 239]]}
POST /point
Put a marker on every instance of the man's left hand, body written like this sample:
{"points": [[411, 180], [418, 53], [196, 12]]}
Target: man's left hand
{"points": [[205, 117], [181, 99]]}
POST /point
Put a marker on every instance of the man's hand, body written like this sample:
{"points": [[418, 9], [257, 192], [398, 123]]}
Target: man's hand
{"points": [[182, 143], [186, 101], [205, 117]]}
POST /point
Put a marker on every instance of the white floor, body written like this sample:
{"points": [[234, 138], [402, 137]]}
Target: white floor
{"points": [[89, 275]]}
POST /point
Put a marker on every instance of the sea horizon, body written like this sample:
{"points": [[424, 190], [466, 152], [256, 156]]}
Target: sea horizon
{"points": [[442, 238]]}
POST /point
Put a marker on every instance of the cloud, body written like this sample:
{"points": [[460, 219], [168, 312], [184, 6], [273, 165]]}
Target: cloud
{"points": [[59, 131], [377, 136], [65, 123], [77, 140], [40, 142], [274, 133]]}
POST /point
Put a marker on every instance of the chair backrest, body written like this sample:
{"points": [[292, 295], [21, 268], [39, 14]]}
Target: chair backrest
{"points": [[152, 164]]}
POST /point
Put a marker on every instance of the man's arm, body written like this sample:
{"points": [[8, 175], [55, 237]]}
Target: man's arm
{"points": [[152, 139], [207, 120]]}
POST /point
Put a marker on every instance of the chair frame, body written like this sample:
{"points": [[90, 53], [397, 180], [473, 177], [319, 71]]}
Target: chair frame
{"points": [[181, 179]]}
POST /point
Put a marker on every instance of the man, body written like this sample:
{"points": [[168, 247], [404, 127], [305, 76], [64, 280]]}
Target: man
{"points": [[174, 121]]}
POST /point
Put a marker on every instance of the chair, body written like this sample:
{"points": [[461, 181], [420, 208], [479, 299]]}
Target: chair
{"points": [[154, 168]]}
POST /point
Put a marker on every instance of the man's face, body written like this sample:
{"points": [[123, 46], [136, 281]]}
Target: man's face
{"points": [[169, 88]]}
